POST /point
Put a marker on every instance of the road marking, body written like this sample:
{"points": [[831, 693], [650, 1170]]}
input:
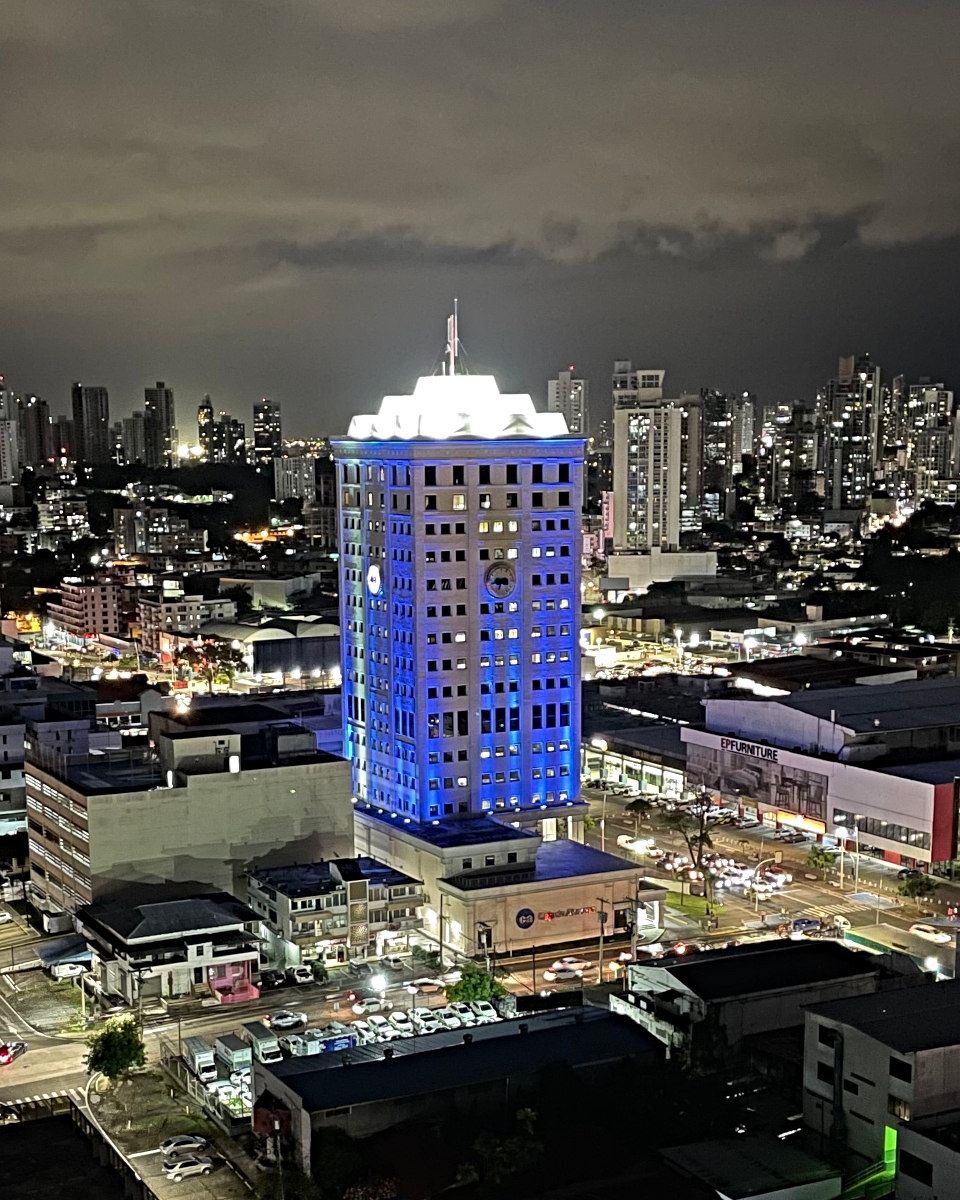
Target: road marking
{"points": [[143, 1153]]}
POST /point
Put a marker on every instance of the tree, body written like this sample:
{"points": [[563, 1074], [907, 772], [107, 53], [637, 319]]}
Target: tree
{"points": [[211, 659], [475, 984], [115, 1049], [503, 1156], [638, 809], [820, 858], [694, 827], [917, 888], [430, 960]]}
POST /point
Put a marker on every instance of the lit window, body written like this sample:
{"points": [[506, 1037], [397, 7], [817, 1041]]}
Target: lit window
{"points": [[459, 502], [483, 527], [498, 527], [513, 526], [461, 664], [535, 552]]}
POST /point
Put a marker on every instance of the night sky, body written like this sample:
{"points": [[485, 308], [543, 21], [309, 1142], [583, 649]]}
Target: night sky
{"points": [[281, 197]]}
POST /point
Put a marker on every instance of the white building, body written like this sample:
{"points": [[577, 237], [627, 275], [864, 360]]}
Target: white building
{"points": [[164, 618], [570, 397], [87, 608], [657, 460], [870, 1062], [295, 478]]}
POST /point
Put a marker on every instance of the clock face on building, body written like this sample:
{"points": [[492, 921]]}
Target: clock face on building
{"points": [[373, 579], [500, 579]]}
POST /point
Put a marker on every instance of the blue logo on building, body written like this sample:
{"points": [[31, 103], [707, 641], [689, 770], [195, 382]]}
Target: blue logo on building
{"points": [[526, 918]]}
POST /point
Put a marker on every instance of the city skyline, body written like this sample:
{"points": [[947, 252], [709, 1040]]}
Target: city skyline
{"points": [[710, 213]]}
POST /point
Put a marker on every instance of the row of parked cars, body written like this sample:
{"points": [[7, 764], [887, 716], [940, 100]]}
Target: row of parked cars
{"points": [[376, 1027]]}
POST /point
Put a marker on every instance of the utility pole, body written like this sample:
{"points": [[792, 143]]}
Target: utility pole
{"points": [[603, 920]]}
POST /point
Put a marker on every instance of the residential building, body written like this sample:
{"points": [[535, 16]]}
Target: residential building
{"points": [[9, 437], [657, 460], [61, 518], [63, 439], [879, 761], [870, 1062], [333, 911], [703, 1007], [143, 531], [13, 797], [87, 608], [91, 425], [35, 431], [197, 948], [205, 429], [164, 617], [133, 440], [571, 397], [295, 478], [160, 416], [267, 433], [466, 1074], [227, 440], [225, 790], [852, 403]]}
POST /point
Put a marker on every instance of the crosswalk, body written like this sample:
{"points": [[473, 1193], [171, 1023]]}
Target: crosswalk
{"points": [[834, 908], [75, 1094]]}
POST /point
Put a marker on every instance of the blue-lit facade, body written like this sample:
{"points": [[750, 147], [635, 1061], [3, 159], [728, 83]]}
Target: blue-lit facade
{"points": [[460, 603]]}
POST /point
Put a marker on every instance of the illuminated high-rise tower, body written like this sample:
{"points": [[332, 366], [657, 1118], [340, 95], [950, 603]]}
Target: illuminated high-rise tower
{"points": [[459, 513]]}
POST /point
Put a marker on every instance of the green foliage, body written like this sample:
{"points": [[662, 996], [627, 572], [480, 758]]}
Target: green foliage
{"points": [[211, 660], [503, 1156], [919, 888], [430, 960], [820, 858], [475, 984], [320, 972], [589, 822], [115, 1049]]}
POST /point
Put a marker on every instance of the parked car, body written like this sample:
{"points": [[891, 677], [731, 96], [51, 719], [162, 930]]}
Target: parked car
{"points": [[447, 1018], [11, 1050], [402, 1023], [463, 1011], [67, 970], [181, 1168], [364, 1031], [384, 1031], [300, 974], [485, 1013], [909, 873], [425, 1019], [930, 933], [272, 979], [359, 968], [393, 962], [285, 1018], [183, 1143], [5, 917]]}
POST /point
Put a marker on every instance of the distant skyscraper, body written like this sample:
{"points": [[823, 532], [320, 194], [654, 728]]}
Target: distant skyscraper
{"points": [[228, 440], [135, 431], [35, 431], [205, 429], [62, 439], [657, 461], [91, 425], [570, 396], [9, 436], [267, 437], [160, 417], [852, 415], [295, 478]]}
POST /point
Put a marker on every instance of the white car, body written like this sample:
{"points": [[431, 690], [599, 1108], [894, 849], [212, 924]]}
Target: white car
{"points": [[393, 962], [428, 986], [562, 975], [402, 1023], [365, 1033], [299, 974], [370, 1004], [930, 933], [284, 1018], [464, 1012], [180, 1168], [4, 916], [447, 1018], [425, 1019], [573, 962], [385, 1032], [485, 1013]]}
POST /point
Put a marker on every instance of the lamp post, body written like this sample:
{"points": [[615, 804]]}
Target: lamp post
{"points": [[603, 920]]}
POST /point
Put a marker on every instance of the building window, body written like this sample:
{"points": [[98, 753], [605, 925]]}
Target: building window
{"points": [[536, 499], [826, 1036], [825, 1073], [459, 502], [898, 1107], [916, 1168], [512, 474], [901, 1070]]}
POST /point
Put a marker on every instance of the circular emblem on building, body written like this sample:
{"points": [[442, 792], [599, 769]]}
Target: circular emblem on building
{"points": [[526, 918], [500, 579], [373, 579]]}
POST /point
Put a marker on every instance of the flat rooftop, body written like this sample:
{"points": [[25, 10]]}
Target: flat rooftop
{"points": [[765, 967], [912, 704], [444, 1061], [663, 740], [738, 1168], [926, 1017], [315, 879], [794, 672], [451, 832]]}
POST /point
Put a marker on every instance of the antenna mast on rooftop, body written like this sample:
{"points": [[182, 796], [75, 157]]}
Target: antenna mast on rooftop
{"points": [[453, 341]]}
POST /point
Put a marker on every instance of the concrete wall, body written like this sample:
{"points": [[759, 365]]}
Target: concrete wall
{"points": [[211, 830], [944, 1161]]}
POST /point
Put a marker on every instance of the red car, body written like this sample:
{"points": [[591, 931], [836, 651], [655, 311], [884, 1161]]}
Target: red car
{"points": [[11, 1050]]}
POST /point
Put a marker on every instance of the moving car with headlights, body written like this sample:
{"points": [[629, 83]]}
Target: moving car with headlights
{"points": [[11, 1050], [562, 975], [931, 933]]}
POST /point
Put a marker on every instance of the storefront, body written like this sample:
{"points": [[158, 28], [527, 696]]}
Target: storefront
{"points": [[650, 759]]}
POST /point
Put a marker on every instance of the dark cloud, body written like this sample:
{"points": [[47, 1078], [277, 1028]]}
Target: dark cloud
{"points": [[280, 196]]}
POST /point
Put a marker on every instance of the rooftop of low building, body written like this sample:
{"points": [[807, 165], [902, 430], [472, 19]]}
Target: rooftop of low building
{"points": [[907, 1020], [316, 879]]}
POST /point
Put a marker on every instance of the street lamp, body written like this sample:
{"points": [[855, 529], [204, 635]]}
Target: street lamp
{"points": [[842, 833]]}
